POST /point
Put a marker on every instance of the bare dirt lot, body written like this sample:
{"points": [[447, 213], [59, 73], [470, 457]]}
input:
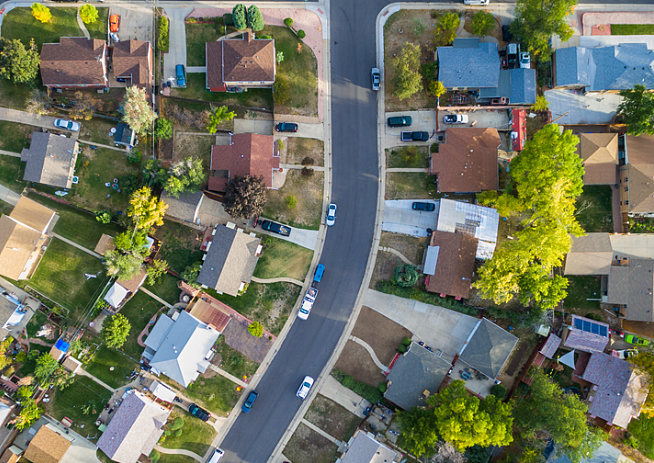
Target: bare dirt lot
{"points": [[332, 418], [307, 446], [381, 333], [299, 148], [412, 248], [307, 191], [356, 362]]}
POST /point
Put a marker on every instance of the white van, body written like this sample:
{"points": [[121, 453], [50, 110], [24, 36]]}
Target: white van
{"points": [[216, 456], [476, 2]]}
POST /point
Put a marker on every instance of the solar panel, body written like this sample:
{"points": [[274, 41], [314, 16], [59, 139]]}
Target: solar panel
{"points": [[586, 326], [594, 328], [578, 323], [603, 330]]}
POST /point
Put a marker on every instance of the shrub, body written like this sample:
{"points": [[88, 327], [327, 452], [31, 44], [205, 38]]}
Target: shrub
{"points": [[21, 357], [418, 27], [228, 19], [267, 37], [401, 348], [541, 104], [406, 275], [155, 456], [406, 341], [280, 145], [178, 423], [482, 23], [281, 90], [436, 88], [255, 18], [255, 329], [307, 161], [291, 201], [301, 34], [167, 433], [288, 22], [179, 432], [382, 387], [499, 391], [239, 16], [162, 34], [368, 392], [41, 13], [88, 14], [306, 172]]}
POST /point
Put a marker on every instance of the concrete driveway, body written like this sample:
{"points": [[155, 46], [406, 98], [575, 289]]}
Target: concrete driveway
{"points": [[420, 121], [304, 130], [492, 118], [400, 218], [582, 109], [177, 49], [305, 238], [136, 23], [436, 326], [262, 127]]}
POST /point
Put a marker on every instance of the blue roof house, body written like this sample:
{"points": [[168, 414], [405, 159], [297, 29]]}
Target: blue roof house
{"points": [[468, 64]]}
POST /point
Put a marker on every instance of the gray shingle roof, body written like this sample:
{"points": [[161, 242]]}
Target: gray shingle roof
{"points": [[50, 159], [183, 208], [489, 348], [365, 449], [469, 64], [570, 67], [124, 135], [632, 286], [523, 86]]}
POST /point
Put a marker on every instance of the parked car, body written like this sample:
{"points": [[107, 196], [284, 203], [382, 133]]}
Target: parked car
{"points": [[613, 332], [114, 23], [199, 412], [476, 2], [631, 339], [376, 77], [66, 125], [399, 121], [216, 456], [275, 228], [512, 52], [331, 215], [247, 405], [525, 60], [317, 276], [507, 35], [626, 353], [455, 119], [414, 136], [180, 72], [421, 206], [305, 387], [307, 303], [286, 127]]}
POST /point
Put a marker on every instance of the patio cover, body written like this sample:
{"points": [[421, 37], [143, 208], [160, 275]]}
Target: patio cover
{"points": [[115, 295], [568, 359]]}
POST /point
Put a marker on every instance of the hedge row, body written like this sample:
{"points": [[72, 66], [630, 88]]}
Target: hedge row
{"points": [[417, 294], [368, 392]]}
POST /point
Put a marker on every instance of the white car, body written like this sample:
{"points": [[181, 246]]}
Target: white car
{"points": [[307, 303], [216, 456], [625, 354], [67, 125], [331, 215], [305, 387], [525, 60]]}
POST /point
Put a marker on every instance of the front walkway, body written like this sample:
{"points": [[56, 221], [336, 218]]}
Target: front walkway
{"points": [[8, 196], [345, 397], [83, 372], [229, 376], [186, 453], [78, 246], [277, 280]]}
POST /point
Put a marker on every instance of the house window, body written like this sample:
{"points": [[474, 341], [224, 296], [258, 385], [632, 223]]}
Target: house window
{"points": [[627, 202], [626, 188]]}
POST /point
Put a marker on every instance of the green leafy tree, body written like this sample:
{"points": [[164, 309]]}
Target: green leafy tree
{"points": [[115, 330], [128, 241], [245, 196], [185, 176], [103, 217], [137, 111], [644, 363], [436, 88], [18, 63], [301, 34], [218, 115], [163, 129], [406, 275], [255, 18], [482, 23], [146, 210], [637, 110], [156, 271], [5, 359], [154, 173], [88, 13], [239, 16], [537, 20], [541, 104], [255, 329], [41, 12], [446, 28], [45, 367], [24, 393], [547, 177], [280, 57], [28, 415], [190, 274], [407, 79], [123, 266]]}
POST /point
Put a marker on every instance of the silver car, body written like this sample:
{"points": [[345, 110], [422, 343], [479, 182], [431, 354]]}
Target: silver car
{"points": [[66, 125], [376, 77], [331, 215]]}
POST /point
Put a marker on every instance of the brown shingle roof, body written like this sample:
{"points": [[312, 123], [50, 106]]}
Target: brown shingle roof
{"points": [[47, 447], [599, 154], [640, 172], [74, 61], [248, 154], [211, 312], [50, 159], [134, 283], [467, 161], [239, 61], [455, 264], [133, 59]]}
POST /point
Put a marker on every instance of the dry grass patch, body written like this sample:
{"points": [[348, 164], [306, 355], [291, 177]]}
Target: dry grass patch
{"points": [[307, 446], [297, 149], [332, 418], [410, 185], [307, 190]]}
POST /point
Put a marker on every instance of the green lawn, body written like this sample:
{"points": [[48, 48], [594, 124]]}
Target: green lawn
{"points": [[138, 310], [408, 156], [196, 434], [594, 208], [632, 29], [96, 130], [643, 430], [196, 89], [166, 288], [179, 247], [60, 276], [165, 458], [580, 289], [5, 208], [98, 29], [197, 36], [106, 358], [283, 259], [36, 322], [13, 95], [308, 192], [20, 24], [70, 401], [14, 137], [234, 362], [217, 394], [77, 226], [409, 185], [12, 172]]}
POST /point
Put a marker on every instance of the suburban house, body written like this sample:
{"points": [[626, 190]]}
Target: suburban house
{"points": [[585, 335], [604, 68], [471, 65], [12, 313], [124, 135], [74, 62], [449, 264], [135, 428], [246, 154], [179, 347], [606, 453], [11, 455], [363, 448], [133, 60], [600, 156], [241, 63], [50, 159], [624, 261], [616, 392], [49, 445], [637, 188], [184, 208], [414, 376], [467, 161], [122, 290], [230, 260], [23, 238]]}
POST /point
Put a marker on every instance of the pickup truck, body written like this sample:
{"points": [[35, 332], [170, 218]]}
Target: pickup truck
{"points": [[276, 228], [415, 136], [307, 303]]}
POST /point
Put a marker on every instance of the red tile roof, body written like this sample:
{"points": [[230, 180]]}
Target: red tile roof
{"points": [[248, 154], [133, 59], [236, 61], [74, 61]]}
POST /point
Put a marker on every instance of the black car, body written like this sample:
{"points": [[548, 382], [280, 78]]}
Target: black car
{"points": [[286, 127], [199, 412], [414, 136], [507, 36], [420, 206], [276, 228]]}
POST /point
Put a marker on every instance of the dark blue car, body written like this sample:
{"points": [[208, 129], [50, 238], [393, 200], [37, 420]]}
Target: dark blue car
{"points": [[247, 405]]}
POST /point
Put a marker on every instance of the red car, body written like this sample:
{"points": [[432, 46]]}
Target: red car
{"points": [[114, 23]]}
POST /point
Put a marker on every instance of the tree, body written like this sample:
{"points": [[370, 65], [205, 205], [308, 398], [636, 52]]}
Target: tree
{"points": [[154, 173], [5, 359], [541, 104], [537, 20], [288, 22], [122, 266], [281, 90], [446, 28], [24, 393], [280, 57], [255, 329], [644, 363], [185, 176], [103, 217], [39, 103], [137, 112], [190, 274], [255, 18], [85, 105], [115, 330], [406, 275], [547, 177], [163, 129], [129, 241], [146, 210], [41, 12], [301, 34], [482, 23], [28, 415], [46, 365], [218, 115], [239, 16], [156, 270], [17, 62], [88, 13], [637, 110], [562, 415], [245, 197], [436, 88], [407, 79]]}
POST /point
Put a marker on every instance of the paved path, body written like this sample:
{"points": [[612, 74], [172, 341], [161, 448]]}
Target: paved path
{"points": [[367, 347], [8, 195], [83, 372], [295, 166], [277, 280], [81, 25], [9, 153], [228, 376], [305, 129], [103, 146], [397, 253], [343, 396], [78, 246], [23, 117], [198, 69], [322, 433], [154, 296], [406, 169], [305, 238], [186, 453]]}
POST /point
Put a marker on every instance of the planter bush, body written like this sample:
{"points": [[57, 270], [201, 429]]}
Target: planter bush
{"points": [[301, 34], [406, 341], [288, 22], [382, 387]]}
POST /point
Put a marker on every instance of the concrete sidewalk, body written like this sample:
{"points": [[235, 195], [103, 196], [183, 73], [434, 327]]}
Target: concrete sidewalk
{"points": [[8, 196], [343, 396]]}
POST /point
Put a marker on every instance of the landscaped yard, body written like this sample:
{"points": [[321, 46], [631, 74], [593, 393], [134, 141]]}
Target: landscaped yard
{"points": [[632, 29], [96, 130], [580, 289], [12, 172], [196, 434], [14, 95], [297, 149], [111, 367], [234, 362], [196, 89], [71, 401], [410, 247], [594, 208], [409, 185], [283, 259], [138, 310], [408, 156], [14, 137], [166, 288], [60, 276], [643, 430], [167, 458], [179, 247], [19, 23], [216, 393], [307, 191]]}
